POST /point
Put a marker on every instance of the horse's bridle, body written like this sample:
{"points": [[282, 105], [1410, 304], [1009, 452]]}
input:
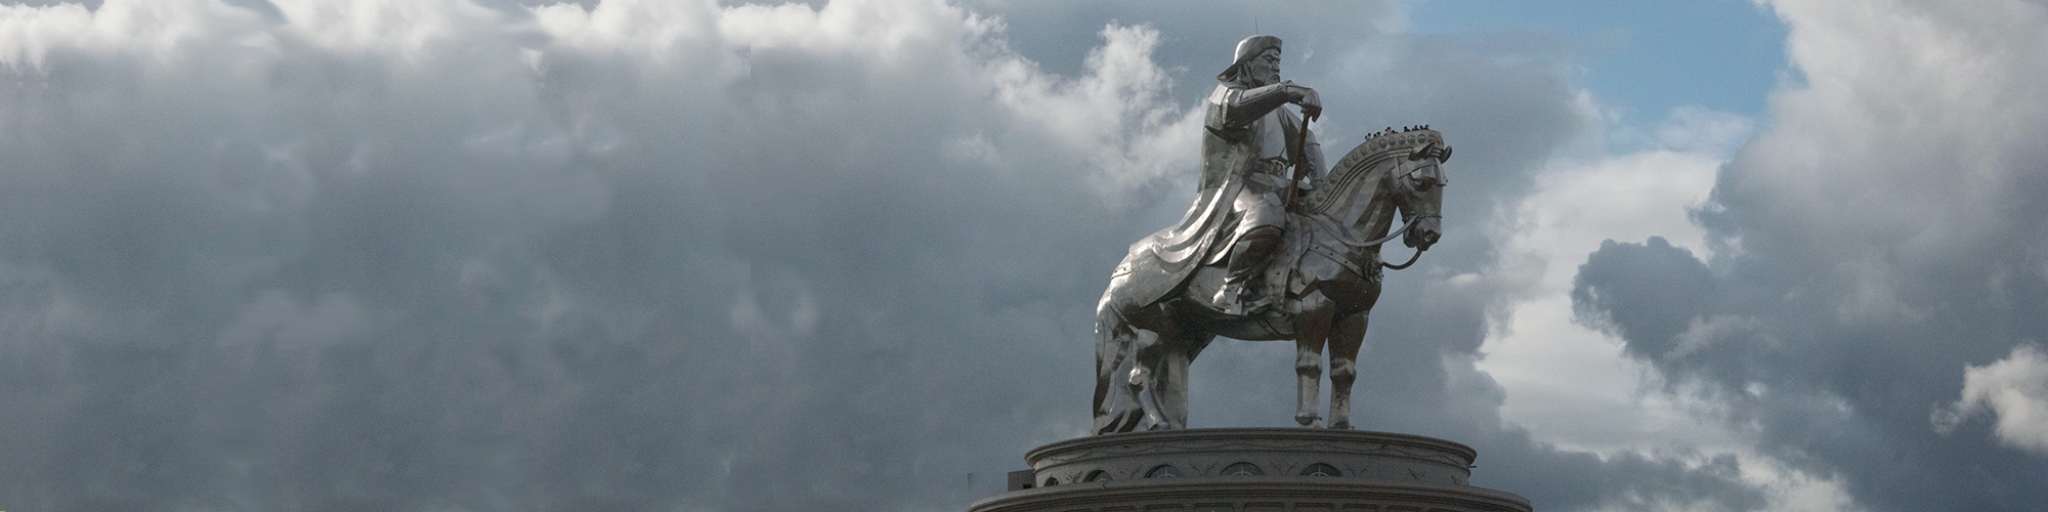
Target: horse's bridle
{"points": [[1405, 228], [1404, 178]]}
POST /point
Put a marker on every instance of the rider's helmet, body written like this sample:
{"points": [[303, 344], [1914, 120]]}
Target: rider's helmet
{"points": [[1247, 49]]}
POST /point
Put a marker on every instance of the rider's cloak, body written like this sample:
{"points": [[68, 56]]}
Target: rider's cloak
{"points": [[1159, 264]]}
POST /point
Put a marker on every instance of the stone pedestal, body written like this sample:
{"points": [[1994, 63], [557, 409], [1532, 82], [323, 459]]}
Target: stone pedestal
{"points": [[1250, 469]]}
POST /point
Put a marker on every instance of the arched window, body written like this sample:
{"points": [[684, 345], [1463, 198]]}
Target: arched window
{"points": [[1050, 481], [1096, 476], [1242, 469], [1320, 469], [1163, 471]]}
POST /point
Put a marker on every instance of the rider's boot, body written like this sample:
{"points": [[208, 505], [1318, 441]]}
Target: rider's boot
{"points": [[1245, 260]]}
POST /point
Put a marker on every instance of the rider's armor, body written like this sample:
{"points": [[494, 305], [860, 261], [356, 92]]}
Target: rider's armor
{"points": [[1252, 118]]}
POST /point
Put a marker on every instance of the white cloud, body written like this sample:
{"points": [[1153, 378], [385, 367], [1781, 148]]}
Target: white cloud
{"points": [[1568, 383], [1924, 120], [2014, 389]]}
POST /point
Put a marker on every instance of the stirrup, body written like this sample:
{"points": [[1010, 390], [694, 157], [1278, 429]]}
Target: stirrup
{"points": [[1229, 298], [1257, 305], [1230, 301]]}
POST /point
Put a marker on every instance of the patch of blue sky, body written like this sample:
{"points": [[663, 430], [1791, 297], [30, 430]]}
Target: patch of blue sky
{"points": [[1641, 59]]}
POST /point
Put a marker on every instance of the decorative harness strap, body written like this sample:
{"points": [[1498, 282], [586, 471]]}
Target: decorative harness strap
{"points": [[1327, 253], [1341, 235]]}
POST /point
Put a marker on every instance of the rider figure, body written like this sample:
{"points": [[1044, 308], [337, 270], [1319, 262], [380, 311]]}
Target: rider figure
{"points": [[1250, 142]]}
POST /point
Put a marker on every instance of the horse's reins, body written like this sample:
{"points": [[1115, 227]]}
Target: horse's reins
{"points": [[1405, 228], [1341, 236]]}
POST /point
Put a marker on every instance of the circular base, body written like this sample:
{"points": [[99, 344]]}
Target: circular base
{"points": [[1254, 494], [1246, 469]]}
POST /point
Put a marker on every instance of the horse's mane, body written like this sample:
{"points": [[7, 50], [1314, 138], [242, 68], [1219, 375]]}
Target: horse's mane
{"points": [[1365, 164]]}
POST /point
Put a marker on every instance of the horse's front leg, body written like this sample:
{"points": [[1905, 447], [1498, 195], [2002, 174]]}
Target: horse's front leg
{"points": [[1180, 351], [1348, 336], [1312, 330]]}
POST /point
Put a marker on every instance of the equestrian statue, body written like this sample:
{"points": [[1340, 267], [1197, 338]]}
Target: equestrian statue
{"points": [[1264, 255]]}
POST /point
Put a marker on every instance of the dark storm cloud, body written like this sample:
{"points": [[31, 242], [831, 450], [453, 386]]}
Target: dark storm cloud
{"points": [[1878, 239], [661, 255], [1648, 293]]}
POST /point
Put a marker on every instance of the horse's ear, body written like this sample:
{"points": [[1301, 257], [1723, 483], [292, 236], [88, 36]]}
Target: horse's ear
{"points": [[1421, 152]]}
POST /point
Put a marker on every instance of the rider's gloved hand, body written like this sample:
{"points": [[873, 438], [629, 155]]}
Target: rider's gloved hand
{"points": [[1311, 103]]}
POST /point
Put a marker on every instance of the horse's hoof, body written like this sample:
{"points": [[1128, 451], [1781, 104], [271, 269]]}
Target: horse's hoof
{"points": [[1340, 425], [1309, 421], [1156, 423]]}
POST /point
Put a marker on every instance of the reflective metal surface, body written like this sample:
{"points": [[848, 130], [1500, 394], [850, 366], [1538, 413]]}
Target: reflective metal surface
{"points": [[1240, 264]]}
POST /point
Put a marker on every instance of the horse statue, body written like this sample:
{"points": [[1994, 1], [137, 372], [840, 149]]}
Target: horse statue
{"points": [[1326, 274]]}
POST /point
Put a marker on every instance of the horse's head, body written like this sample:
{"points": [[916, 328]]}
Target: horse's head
{"points": [[1419, 189], [1389, 174]]}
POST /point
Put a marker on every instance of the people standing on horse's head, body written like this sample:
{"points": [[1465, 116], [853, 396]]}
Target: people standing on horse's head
{"points": [[1249, 140]]}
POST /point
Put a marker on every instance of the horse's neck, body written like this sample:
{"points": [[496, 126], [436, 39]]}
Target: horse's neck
{"points": [[1369, 210], [1373, 222]]}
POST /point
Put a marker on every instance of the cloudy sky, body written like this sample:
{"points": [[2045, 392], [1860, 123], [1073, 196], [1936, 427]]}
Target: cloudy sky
{"points": [[495, 255]]}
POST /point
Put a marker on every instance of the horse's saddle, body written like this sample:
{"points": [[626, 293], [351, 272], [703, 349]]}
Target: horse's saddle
{"points": [[1189, 256]]}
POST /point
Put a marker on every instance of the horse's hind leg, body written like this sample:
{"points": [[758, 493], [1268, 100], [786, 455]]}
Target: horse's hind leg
{"points": [[1125, 364], [1147, 357], [1114, 411], [1345, 340], [1312, 328]]}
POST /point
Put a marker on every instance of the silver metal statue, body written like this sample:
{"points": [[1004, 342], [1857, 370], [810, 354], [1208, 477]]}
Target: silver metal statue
{"points": [[1260, 255]]}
